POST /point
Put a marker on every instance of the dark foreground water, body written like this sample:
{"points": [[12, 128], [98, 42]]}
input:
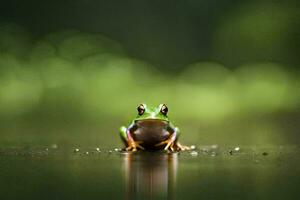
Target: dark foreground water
{"points": [[205, 173]]}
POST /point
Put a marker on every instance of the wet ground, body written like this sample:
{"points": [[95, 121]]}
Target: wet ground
{"points": [[207, 172]]}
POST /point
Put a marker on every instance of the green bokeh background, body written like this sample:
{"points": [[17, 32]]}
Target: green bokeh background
{"points": [[75, 74]]}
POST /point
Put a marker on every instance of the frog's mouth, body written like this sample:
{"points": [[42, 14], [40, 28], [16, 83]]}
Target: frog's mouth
{"points": [[149, 122]]}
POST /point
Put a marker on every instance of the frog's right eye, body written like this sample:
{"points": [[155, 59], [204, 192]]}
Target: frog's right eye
{"points": [[164, 109], [141, 109]]}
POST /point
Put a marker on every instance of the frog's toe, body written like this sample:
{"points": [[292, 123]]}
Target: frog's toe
{"points": [[182, 147], [133, 149], [134, 145], [162, 143], [138, 145], [172, 147], [169, 145]]}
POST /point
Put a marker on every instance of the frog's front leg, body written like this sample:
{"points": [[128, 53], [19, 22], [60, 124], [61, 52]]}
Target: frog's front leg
{"points": [[129, 142]]}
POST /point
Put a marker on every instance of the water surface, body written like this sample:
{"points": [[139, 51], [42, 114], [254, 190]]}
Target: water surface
{"points": [[205, 173]]}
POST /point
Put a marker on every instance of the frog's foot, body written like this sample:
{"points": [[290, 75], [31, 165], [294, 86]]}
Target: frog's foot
{"points": [[181, 147], [134, 145], [173, 146], [170, 144]]}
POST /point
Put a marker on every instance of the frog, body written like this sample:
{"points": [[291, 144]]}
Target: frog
{"points": [[151, 129]]}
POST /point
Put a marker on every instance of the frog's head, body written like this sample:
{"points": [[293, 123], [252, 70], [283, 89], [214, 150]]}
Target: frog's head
{"points": [[152, 113]]}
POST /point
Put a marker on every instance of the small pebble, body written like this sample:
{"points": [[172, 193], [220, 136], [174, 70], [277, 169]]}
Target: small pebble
{"points": [[87, 153], [193, 147], [98, 149], [213, 154], [54, 146], [194, 153], [237, 148], [47, 149], [76, 150], [214, 146], [110, 151], [117, 150]]}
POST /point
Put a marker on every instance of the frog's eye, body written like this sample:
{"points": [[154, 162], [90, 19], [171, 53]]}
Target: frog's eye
{"points": [[141, 109], [164, 109]]}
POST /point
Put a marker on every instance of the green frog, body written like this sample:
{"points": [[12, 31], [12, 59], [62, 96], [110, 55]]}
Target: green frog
{"points": [[151, 130]]}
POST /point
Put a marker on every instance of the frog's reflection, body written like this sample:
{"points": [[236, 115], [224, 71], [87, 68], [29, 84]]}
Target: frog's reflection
{"points": [[150, 175]]}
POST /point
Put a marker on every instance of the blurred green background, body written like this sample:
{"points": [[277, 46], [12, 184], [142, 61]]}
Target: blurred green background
{"points": [[73, 72]]}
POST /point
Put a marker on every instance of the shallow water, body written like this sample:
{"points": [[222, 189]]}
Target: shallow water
{"points": [[205, 173]]}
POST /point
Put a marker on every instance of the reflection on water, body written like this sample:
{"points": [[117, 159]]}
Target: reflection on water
{"points": [[150, 176]]}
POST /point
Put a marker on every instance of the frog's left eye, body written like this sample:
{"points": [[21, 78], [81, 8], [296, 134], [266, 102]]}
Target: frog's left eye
{"points": [[164, 109], [141, 109]]}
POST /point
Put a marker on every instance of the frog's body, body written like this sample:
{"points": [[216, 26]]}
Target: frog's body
{"points": [[151, 130]]}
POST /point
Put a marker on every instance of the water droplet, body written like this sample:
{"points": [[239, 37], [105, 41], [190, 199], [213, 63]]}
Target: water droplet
{"points": [[193, 147], [194, 153]]}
